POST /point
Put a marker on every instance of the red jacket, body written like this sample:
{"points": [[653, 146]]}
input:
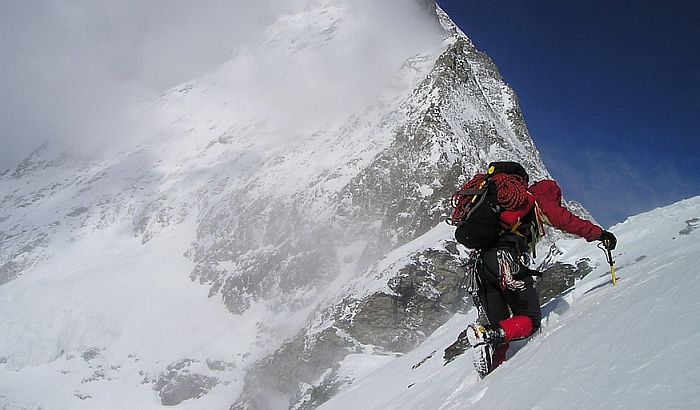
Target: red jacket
{"points": [[548, 197]]}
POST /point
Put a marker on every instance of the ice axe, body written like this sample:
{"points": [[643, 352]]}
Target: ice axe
{"points": [[611, 262]]}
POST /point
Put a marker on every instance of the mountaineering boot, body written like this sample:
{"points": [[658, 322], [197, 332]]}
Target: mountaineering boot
{"points": [[478, 334], [484, 339], [483, 359]]}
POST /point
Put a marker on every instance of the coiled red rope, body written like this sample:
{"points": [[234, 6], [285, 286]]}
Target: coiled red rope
{"points": [[512, 190], [511, 194]]}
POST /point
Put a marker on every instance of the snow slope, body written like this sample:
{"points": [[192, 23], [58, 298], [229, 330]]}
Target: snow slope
{"points": [[127, 319], [633, 346]]}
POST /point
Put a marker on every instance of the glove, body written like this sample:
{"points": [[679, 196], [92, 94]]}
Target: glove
{"points": [[609, 240]]}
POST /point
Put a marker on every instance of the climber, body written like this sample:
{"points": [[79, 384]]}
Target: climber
{"points": [[506, 288]]}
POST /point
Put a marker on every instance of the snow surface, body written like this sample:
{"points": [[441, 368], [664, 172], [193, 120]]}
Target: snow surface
{"points": [[633, 346], [146, 317]]}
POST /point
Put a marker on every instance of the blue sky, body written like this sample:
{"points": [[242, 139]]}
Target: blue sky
{"points": [[610, 93]]}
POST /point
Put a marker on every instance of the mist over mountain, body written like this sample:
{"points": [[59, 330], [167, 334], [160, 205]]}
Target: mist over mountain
{"points": [[75, 73]]}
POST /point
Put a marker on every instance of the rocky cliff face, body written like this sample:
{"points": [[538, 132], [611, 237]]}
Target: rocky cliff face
{"points": [[319, 244]]}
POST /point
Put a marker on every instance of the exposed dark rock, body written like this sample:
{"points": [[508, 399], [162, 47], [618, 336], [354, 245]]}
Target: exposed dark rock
{"points": [[8, 271], [82, 396], [178, 383], [560, 277], [97, 375], [91, 353], [273, 383], [78, 211], [219, 365], [18, 255], [426, 294], [316, 395], [691, 225]]}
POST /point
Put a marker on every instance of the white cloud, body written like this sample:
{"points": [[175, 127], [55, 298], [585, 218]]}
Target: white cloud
{"points": [[72, 70]]}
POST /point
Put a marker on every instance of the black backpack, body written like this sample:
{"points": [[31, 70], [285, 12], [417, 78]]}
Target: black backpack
{"points": [[476, 208]]}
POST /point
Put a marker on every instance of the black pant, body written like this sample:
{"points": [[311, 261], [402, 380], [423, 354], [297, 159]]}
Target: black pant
{"points": [[500, 303]]}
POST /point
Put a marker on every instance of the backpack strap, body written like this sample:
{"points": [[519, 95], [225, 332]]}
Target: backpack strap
{"points": [[472, 191]]}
